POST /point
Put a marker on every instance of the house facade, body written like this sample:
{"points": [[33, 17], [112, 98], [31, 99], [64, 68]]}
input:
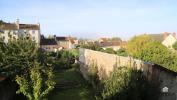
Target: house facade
{"points": [[56, 43], [114, 44], [49, 44], [167, 39], [66, 42], [17, 30]]}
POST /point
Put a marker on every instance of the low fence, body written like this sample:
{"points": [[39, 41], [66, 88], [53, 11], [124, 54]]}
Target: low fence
{"points": [[106, 63]]}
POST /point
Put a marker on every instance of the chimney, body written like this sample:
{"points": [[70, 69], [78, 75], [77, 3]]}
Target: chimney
{"points": [[165, 34], [174, 35], [55, 37], [17, 23], [38, 25]]}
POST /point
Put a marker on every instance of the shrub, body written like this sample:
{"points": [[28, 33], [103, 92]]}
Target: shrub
{"points": [[122, 52], [127, 84]]}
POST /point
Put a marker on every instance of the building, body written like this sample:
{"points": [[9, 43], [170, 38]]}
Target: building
{"points": [[18, 30], [167, 39], [56, 43], [108, 43], [66, 42], [49, 44]]}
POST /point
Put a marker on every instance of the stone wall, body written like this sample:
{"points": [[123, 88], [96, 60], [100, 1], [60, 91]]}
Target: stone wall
{"points": [[106, 63]]}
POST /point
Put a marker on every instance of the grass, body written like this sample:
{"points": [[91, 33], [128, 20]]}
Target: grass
{"points": [[71, 78]]}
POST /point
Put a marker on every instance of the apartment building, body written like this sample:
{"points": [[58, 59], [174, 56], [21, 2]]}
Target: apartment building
{"points": [[18, 30]]}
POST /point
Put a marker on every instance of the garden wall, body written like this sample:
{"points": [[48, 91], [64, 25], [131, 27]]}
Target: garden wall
{"points": [[106, 63]]}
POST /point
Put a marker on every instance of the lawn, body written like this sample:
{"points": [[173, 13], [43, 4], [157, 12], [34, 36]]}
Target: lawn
{"points": [[70, 85]]}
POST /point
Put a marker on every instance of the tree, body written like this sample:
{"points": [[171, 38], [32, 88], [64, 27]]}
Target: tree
{"points": [[37, 84], [136, 44], [157, 53], [175, 45], [15, 56], [92, 46], [122, 52], [109, 50], [21, 61]]}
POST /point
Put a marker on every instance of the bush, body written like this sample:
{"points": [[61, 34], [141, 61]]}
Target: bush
{"points": [[156, 53], [127, 84], [109, 50], [122, 52], [175, 45]]}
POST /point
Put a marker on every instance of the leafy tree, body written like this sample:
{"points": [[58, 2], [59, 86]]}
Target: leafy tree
{"points": [[37, 84], [156, 53], [175, 45], [109, 50], [136, 44], [1, 22], [15, 56], [92, 46], [122, 52], [21, 61]]}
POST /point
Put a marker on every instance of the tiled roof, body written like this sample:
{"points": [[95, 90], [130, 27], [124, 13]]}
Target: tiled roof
{"points": [[65, 39], [104, 39], [8, 26], [157, 37], [45, 41], [29, 26], [61, 38], [113, 43], [13, 26]]}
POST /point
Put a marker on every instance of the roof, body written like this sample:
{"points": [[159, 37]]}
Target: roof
{"points": [[157, 37], [61, 38], [65, 39], [113, 43], [29, 26], [103, 39], [13, 26], [45, 41], [8, 26]]}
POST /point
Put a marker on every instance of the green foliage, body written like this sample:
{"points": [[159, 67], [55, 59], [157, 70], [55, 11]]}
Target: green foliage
{"points": [[127, 84], [22, 61], [122, 52], [92, 46], [95, 81], [136, 44], [37, 84], [156, 53], [93, 75], [15, 56], [65, 59], [175, 45], [109, 50]]}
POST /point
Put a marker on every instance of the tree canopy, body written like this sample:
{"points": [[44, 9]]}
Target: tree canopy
{"points": [[157, 53], [136, 44], [20, 60], [175, 45]]}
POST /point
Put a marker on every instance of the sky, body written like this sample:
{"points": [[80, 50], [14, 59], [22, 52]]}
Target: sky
{"points": [[94, 18]]}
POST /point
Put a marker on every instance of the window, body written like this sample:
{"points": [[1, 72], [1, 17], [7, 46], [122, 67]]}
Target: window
{"points": [[33, 38], [33, 31]]}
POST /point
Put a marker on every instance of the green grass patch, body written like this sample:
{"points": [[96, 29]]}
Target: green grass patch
{"points": [[71, 78]]}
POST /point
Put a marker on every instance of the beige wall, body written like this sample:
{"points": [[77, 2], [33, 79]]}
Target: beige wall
{"points": [[106, 63]]}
